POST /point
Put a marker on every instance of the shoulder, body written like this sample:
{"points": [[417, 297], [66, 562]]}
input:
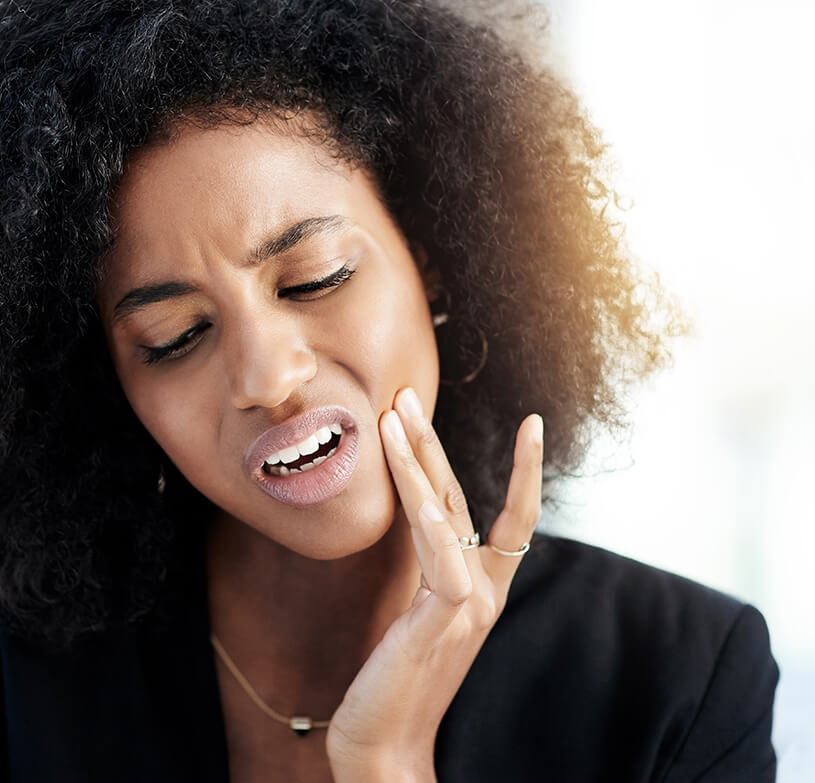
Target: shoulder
{"points": [[610, 610], [87, 712], [626, 669], [577, 585]]}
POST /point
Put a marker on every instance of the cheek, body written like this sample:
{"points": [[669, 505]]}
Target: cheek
{"points": [[173, 416], [394, 344]]}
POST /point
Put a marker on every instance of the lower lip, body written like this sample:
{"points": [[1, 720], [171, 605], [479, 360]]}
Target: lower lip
{"points": [[322, 482]]}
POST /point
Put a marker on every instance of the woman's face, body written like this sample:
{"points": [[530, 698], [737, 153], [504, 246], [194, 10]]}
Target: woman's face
{"points": [[217, 342]]}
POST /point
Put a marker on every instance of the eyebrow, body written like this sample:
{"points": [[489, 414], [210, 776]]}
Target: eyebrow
{"points": [[296, 233], [146, 295]]}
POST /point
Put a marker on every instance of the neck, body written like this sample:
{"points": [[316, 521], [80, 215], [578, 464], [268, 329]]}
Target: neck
{"points": [[300, 629]]}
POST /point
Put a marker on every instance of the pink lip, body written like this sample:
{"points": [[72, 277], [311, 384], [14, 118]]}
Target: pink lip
{"points": [[321, 482]]}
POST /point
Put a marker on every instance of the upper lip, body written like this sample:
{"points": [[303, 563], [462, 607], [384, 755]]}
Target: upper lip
{"points": [[293, 431]]}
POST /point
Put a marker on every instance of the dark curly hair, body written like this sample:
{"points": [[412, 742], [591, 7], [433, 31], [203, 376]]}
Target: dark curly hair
{"points": [[481, 153]]}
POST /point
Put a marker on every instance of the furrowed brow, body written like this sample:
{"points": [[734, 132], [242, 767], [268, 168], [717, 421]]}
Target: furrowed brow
{"points": [[295, 234], [146, 295], [149, 294]]}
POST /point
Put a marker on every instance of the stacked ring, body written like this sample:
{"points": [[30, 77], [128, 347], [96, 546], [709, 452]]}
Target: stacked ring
{"points": [[469, 542], [515, 553]]}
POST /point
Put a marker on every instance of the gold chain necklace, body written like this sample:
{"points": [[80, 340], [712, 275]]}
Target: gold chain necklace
{"points": [[299, 724]]}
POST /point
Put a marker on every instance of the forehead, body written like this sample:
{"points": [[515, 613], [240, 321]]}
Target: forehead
{"points": [[223, 171]]}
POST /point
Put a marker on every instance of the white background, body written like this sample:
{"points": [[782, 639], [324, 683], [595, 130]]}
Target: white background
{"points": [[710, 112]]}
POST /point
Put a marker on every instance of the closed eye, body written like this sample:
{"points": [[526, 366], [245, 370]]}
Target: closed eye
{"points": [[186, 341], [177, 347], [332, 281]]}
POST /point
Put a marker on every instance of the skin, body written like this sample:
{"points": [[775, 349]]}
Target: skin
{"points": [[361, 600]]}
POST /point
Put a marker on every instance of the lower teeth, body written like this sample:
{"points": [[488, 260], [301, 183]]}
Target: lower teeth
{"points": [[282, 470]]}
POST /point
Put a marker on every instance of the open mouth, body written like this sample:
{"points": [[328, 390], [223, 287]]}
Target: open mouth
{"points": [[317, 464], [303, 456]]}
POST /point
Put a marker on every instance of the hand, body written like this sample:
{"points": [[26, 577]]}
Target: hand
{"points": [[387, 723]]}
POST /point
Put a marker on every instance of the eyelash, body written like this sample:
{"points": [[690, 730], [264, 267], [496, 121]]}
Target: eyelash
{"points": [[186, 341], [332, 281], [177, 347]]}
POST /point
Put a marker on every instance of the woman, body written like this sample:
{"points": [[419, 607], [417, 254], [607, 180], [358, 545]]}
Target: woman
{"points": [[280, 281]]}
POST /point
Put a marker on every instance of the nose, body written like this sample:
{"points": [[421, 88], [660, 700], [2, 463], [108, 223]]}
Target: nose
{"points": [[267, 361]]}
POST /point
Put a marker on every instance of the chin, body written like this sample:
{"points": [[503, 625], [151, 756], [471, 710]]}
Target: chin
{"points": [[347, 529]]}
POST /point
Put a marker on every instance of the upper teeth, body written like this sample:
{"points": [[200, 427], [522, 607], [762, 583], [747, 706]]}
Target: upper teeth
{"points": [[305, 447]]}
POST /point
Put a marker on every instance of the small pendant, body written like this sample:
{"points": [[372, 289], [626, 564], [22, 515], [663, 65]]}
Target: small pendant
{"points": [[300, 725]]}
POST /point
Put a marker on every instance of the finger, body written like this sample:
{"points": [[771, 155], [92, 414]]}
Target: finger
{"points": [[411, 483], [516, 522], [450, 577], [430, 454], [434, 610]]}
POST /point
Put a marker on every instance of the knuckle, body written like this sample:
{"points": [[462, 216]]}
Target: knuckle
{"points": [[426, 437], [527, 514], [449, 544], [407, 457], [460, 593], [454, 498], [485, 612]]}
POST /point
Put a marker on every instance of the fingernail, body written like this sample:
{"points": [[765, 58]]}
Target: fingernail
{"points": [[429, 511], [394, 426], [537, 430], [409, 402]]}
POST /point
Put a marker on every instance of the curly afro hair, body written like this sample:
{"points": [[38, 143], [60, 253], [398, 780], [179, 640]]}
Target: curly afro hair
{"points": [[482, 155]]}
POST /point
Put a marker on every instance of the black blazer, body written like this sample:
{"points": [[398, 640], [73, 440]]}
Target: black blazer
{"points": [[599, 669]]}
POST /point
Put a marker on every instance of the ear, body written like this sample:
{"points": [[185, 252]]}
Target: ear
{"points": [[431, 276]]}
